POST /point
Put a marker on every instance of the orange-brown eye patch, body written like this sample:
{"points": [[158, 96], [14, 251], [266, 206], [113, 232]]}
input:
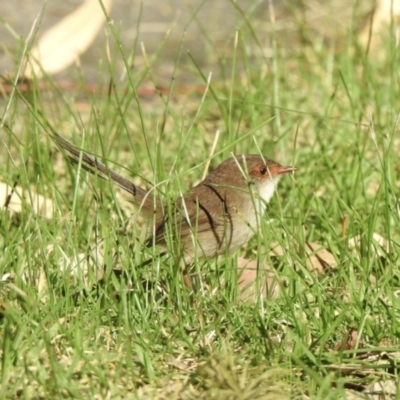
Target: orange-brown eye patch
{"points": [[271, 170], [259, 170]]}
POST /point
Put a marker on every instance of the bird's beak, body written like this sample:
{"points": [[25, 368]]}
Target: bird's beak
{"points": [[286, 170], [280, 170]]}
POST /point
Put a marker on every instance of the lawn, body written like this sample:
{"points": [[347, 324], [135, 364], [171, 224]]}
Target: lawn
{"points": [[83, 314]]}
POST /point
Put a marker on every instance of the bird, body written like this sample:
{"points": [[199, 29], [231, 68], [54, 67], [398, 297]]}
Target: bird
{"points": [[216, 217]]}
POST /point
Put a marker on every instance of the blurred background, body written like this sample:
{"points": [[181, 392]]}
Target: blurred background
{"points": [[205, 28]]}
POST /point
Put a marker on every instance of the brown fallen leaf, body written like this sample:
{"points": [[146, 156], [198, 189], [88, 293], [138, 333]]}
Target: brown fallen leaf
{"points": [[347, 293], [372, 366], [84, 266], [384, 389], [349, 341], [14, 198], [378, 243], [255, 284], [61, 45], [276, 250], [42, 281], [317, 258], [386, 12]]}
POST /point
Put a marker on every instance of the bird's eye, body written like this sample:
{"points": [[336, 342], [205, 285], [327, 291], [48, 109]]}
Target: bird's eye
{"points": [[263, 170]]}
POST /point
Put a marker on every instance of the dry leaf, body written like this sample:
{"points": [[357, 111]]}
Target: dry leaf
{"points": [[84, 266], [317, 257], [352, 394], [347, 295], [42, 281], [385, 389], [349, 341], [256, 284], [13, 199], [378, 242], [61, 45], [376, 237], [277, 250], [377, 367], [7, 277], [385, 12]]}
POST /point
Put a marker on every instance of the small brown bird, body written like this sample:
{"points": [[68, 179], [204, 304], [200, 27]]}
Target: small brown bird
{"points": [[216, 217]]}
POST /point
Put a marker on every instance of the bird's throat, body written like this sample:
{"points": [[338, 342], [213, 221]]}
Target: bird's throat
{"points": [[267, 188]]}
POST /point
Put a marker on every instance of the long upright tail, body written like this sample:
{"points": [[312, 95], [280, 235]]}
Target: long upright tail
{"points": [[143, 199]]}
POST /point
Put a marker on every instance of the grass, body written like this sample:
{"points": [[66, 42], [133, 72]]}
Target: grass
{"points": [[81, 319]]}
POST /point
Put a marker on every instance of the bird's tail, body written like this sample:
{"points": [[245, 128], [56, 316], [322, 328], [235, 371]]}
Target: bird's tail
{"points": [[145, 200]]}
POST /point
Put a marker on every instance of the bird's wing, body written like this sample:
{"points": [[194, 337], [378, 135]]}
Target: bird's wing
{"points": [[193, 216]]}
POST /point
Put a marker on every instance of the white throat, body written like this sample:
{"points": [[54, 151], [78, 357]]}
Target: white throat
{"points": [[263, 195], [267, 190]]}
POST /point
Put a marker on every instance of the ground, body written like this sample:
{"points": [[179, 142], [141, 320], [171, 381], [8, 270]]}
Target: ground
{"points": [[307, 309]]}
